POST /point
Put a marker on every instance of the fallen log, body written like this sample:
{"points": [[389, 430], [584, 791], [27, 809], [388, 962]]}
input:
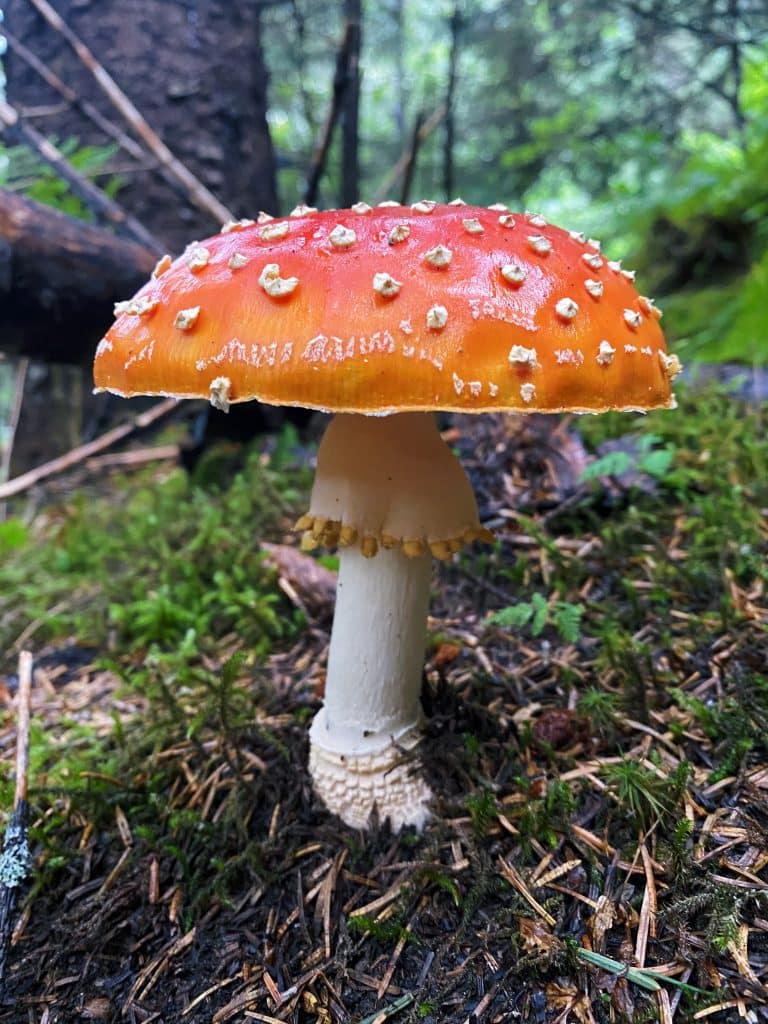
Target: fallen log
{"points": [[59, 278], [102, 206]]}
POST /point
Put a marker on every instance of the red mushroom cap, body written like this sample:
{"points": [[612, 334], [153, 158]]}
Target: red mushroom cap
{"points": [[392, 309]]}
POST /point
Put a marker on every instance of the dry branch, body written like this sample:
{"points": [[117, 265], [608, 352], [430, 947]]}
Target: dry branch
{"points": [[134, 457], [97, 201], [421, 135], [171, 165], [84, 451], [410, 165]]}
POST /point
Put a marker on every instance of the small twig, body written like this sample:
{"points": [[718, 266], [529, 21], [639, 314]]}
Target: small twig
{"points": [[397, 169], [387, 977], [135, 457], [22, 728], [14, 860], [85, 451], [93, 197], [512, 875], [193, 187]]}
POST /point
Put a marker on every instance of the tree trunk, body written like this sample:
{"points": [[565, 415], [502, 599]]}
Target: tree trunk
{"points": [[322, 149], [350, 158], [448, 173], [400, 91], [196, 73], [59, 278], [205, 95]]}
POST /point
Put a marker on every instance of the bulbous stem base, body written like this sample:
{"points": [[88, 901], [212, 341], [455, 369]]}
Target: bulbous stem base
{"points": [[387, 778]]}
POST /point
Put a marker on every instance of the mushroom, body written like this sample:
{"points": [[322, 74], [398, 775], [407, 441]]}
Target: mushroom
{"points": [[384, 316]]}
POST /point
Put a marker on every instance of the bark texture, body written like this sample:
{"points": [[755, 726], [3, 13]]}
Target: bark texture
{"points": [[58, 280], [196, 72]]}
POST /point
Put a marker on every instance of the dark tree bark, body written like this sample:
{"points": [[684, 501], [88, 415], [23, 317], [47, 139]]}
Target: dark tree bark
{"points": [[350, 148], [448, 173], [340, 82], [105, 210], [410, 163], [400, 95], [203, 90], [59, 278]]}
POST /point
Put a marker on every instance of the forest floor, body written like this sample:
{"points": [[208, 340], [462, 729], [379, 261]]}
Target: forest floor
{"points": [[596, 698]]}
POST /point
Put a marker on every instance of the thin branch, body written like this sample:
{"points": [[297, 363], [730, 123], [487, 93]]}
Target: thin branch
{"points": [[24, 697], [193, 187], [413, 152], [702, 31], [396, 171], [85, 451], [96, 200]]}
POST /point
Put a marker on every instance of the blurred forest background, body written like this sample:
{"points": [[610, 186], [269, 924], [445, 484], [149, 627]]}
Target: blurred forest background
{"points": [[642, 122]]}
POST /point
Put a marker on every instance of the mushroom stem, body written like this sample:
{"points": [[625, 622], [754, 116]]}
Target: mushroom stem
{"points": [[391, 493], [371, 716]]}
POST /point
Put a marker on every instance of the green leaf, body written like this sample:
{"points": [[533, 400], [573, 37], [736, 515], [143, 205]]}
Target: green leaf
{"points": [[540, 614], [644, 977], [567, 619], [514, 616], [611, 464], [657, 463]]}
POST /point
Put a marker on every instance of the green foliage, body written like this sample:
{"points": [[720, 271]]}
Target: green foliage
{"points": [[21, 170], [645, 457], [482, 810], [182, 568], [712, 205], [433, 875], [736, 727], [13, 533], [643, 792], [546, 818], [600, 707], [388, 932], [157, 575], [537, 613], [719, 908]]}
